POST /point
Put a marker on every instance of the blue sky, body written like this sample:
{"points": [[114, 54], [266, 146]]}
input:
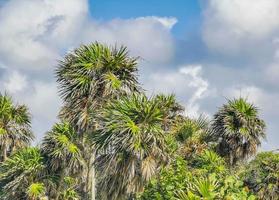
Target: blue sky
{"points": [[202, 51], [187, 12]]}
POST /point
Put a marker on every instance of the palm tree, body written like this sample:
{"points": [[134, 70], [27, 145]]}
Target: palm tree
{"points": [[132, 140], [92, 75], [238, 129], [20, 172], [89, 77], [192, 136], [15, 127], [171, 108], [62, 154]]}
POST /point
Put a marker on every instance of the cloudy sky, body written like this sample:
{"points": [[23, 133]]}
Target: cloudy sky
{"points": [[202, 51]]}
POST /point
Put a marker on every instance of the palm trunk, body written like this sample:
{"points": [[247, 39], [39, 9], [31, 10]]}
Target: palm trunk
{"points": [[231, 160], [91, 180], [59, 185], [89, 188], [4, 152]]}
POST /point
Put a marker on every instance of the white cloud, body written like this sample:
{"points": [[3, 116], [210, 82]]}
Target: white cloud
{"points": [[186, 83], [231, 24], [252, 93], [167, 22], [147, 37], [33, 31], [199, 84], [15, 82], [272, 70], [44, 100], [272, 73], [44, 103]]}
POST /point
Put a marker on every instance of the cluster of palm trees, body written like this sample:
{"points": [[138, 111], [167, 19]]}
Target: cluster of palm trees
{"points": [[111, 139]]}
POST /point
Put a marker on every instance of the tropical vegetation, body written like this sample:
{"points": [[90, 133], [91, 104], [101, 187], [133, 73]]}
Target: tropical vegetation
{"points": [[114, 142]]}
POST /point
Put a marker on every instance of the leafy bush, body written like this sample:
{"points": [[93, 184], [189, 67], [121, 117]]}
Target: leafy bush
{"points": [[204, 177], [262, 175]]}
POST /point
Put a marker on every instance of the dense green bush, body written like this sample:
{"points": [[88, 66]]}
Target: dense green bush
{"points": [[205, 177], [262, 175]]}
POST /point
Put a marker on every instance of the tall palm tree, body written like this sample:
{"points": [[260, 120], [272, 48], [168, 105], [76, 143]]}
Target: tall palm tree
{"points": [[15, 127], [238, 129], [132, 139], [89, 77], [62, 154], [20, 172], [92, 75]]}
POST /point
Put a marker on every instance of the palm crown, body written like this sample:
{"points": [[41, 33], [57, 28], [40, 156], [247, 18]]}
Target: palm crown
{"points": [[20, 171], [15, 127], [132, 139], [60, 145], [238, 129], [91, 75]]}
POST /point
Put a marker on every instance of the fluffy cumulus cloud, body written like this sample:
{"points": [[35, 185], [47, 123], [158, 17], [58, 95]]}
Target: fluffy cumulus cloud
{"points": [[231, 23], [147, 37], [15, 82], [187, 83], [33, 31]]}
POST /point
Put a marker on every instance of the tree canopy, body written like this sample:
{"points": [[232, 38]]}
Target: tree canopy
{"points": [[112, 141]]}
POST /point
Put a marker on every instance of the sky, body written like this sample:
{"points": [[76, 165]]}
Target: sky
{"points": [[202, 51]]}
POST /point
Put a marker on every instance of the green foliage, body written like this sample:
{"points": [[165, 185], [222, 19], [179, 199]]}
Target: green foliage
{"points": [[171, 109], [233, 189], [207, 188], [61, 149], [210, 162], [172, 178], [238, 129], [91, 75], [204, 187], [262, 175], [206, 177], [133, 141], [132, 146], [69, 189], [15, 127], [20, 171], [36, 191], [192, 128], [192, 135]]}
